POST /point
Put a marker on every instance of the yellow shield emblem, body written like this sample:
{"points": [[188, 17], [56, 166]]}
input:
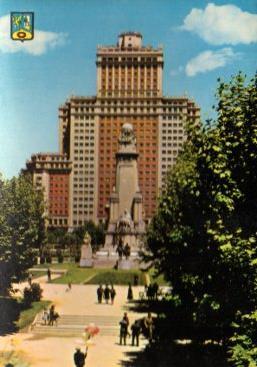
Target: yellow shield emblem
{"points": [[22, 26]]}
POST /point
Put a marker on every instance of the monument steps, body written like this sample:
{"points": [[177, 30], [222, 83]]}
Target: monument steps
{"points": [[104, 263], [71, 331], [74, 325]]}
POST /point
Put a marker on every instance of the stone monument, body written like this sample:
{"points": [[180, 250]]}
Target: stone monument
{"points": [[126, 225], [86, 257]]}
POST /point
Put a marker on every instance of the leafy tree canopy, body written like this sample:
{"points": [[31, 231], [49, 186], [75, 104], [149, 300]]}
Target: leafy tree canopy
{"points": [[21, 229], [203, 237]]}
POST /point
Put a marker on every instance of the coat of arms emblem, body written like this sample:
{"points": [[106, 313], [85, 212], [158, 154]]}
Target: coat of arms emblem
{"points": [[22, 26]]}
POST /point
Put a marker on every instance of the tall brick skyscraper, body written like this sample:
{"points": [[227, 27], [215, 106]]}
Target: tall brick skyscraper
{"points": [[129, 89]]}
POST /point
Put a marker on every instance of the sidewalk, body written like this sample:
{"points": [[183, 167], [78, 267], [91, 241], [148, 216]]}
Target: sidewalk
{"points": [[44, 350]]}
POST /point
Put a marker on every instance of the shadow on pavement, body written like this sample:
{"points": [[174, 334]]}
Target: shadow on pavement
{"points": [[9, 313], [177, 355], [172, 346]]}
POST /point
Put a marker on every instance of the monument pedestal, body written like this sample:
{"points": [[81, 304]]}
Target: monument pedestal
{"points": [[124, 264], [86, 258], [86, 263]]}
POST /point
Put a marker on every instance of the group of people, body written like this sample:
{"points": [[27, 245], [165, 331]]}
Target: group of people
{"points": [[50, 317], [152, 291], [107, 293], [123, 250], [145, 326]]}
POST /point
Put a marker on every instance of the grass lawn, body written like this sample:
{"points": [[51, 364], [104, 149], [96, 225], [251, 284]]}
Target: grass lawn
{"points": [[121, 277], [27, 316], [36, 274], [77, 275]]}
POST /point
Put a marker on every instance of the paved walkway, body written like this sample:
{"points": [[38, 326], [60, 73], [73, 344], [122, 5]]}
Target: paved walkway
{"points": [[46, 350]]}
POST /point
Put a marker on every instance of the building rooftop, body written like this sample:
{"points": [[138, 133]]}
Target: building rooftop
{"points": [[130, 33]]}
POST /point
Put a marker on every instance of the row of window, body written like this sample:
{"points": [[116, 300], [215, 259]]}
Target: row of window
{"points": [[81, 212], [129, 109], [81, 222], [172, 124], [82, 199], [173, 117], [175, 137], [87, 124], [173, 131], [59, 221], [81, 185], [85, 144], [128, 93], [172, 144]]}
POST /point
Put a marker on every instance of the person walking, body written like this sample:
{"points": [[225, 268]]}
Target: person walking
{"points": [[49, 275], [135, 331], [113, 294], [51, 315], [100, 293], [107, 293], [130, 293], [45, 316], [79, 358], [124, 324]]}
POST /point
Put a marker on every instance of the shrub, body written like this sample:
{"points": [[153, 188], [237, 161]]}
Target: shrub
{"points": [[59, 256], [27, 296], [48, 259], [36, 292], [32, 294]]}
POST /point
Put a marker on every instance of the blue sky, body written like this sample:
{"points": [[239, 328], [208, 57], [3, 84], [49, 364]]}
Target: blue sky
{"points": [[202, 41]]}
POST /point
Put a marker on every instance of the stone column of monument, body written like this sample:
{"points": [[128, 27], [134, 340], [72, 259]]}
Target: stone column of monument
{"points": [[126, 223]]}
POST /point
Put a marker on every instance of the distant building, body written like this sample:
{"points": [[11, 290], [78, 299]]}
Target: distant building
{"points": [[129, 90], [50, 172]]}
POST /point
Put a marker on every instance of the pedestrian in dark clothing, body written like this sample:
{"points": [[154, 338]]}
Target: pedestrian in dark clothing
{"points": [[51, 315], [135, 329], [100, 293], [124, 324], [107, 293], [113, 294], [130, 293], [49, 275], [120, 250], [79, 358], [150, 292], [127, 251], [155, 290]]}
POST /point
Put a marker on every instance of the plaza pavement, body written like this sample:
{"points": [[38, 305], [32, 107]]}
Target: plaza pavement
{"points": [[44, 350]]}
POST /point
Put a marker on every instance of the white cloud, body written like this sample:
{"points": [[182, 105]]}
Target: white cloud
{"points": [[175, 72], [225, 24], [39, 45], [210, 60]]}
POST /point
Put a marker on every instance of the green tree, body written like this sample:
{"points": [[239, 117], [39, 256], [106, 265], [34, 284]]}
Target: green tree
{"points": [[203, 237], [21, 229]]}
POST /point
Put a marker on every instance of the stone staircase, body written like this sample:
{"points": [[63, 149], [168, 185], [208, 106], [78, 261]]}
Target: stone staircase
{"points": [[74, 325]]}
